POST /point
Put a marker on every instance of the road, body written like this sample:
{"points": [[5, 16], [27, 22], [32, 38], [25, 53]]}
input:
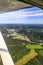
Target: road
{"points": [[5, 55]]}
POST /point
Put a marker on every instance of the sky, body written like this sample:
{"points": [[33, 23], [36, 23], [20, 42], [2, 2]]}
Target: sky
{"points": [[24, 16]]}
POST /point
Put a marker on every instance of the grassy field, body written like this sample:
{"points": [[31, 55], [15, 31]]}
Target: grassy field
{"points": [[33, 61], [34, 47], [27, 58], [20, 49], [16, 48]]}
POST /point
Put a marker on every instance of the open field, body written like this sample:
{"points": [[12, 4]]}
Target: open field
{"points": [[27, 58], [21, 37], [34, 47], [18, 47], [18, 50]]}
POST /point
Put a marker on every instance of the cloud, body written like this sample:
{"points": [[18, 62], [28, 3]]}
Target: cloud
{"points": [[29, 13], [21, 14]]}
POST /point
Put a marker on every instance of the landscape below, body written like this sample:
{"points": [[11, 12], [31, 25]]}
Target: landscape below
{"points": [[22, 41]]}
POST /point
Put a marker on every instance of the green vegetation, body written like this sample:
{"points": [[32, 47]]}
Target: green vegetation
{"points": [[35, 35], [34, 47], [1, 61], [21, 54], [20, 48], [27, 57], [10, 41], [33, 61], [16, 48], [40, 59]]}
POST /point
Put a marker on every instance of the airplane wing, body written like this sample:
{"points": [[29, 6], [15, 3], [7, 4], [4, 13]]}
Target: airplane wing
{"points": [[5, 55], [10, 5], [38, 3]]}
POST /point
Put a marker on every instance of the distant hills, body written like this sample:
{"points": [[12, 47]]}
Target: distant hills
{"points": [[22, 25]]}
